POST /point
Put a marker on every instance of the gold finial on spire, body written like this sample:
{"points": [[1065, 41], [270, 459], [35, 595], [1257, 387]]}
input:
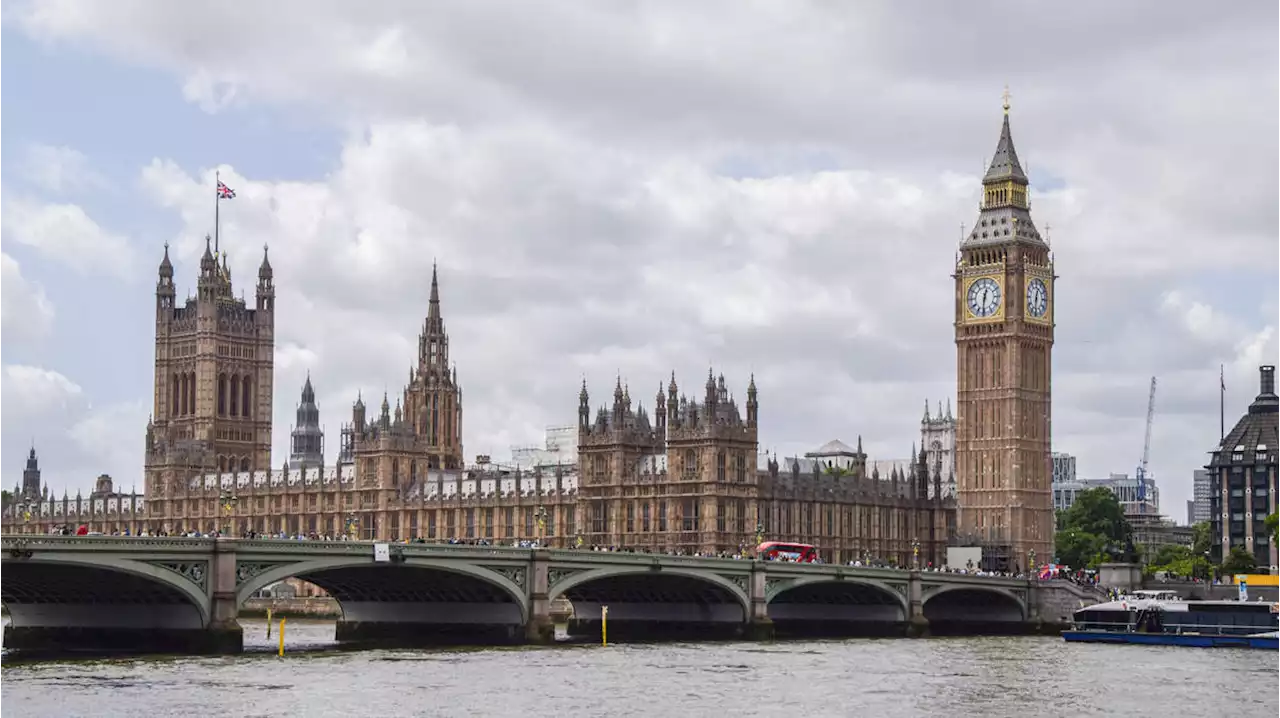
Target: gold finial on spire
{"points": [[1005, 97]]}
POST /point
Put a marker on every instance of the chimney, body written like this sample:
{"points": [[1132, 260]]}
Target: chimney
{"points": [[1267, 379]]}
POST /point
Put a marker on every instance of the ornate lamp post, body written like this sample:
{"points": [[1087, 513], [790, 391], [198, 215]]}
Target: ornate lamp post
{"points": [[229, 500], [579, 542], [759, 534], [1031, 563], [351, 525], [29, 508], [915, 553], [541, 514]]}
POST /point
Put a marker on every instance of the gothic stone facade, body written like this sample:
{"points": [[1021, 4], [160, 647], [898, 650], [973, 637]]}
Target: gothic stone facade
{"points": [[691, 480], [32, 509], [1004, 285]]}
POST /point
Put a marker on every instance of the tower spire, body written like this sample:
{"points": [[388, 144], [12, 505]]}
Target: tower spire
{"points": [[1004, 163]]}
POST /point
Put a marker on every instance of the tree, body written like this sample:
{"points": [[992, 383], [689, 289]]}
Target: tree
{"points": [[1094, 530], [1078, 549], [1169, 554], [1273, 527], [1239, 561], [1201, 538]]}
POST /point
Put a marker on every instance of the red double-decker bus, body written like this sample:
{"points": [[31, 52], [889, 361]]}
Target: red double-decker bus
{"points": [[793, 552]]}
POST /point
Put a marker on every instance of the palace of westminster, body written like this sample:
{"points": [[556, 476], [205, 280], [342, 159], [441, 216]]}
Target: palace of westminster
{"points": [[688, 477]]}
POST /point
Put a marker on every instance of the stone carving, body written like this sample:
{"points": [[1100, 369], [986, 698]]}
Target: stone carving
{"points": [[247, 570], [556, 575], [739, 580], [772, 586], [514, 574], [196, 572]]}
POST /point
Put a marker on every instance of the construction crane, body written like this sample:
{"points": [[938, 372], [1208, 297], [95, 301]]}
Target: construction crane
{"points": [[1146, 450]]}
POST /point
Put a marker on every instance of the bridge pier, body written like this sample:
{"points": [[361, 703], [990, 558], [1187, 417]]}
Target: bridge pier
{"points": [[540, 628], [225, 633], [760, 626], [917, 624]]}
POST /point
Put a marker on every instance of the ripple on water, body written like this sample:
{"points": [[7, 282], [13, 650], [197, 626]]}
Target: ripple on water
{"points": [[960, 678]]}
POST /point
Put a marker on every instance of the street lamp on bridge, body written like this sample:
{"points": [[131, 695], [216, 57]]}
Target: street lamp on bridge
{"points": [[915, 553], [28, 507], [759, 534], [541, 514], [1031, 562], [351, 525], [229, 500]]}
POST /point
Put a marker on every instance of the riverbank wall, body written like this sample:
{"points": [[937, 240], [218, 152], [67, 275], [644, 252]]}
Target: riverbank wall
{"points": [[318, 608]]}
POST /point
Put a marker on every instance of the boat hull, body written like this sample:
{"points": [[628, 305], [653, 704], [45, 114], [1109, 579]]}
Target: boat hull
{"points": [[1171, 639]]}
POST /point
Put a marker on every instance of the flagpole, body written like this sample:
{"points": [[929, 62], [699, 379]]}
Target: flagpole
{"points": [[217, 205], [1222, 403]]}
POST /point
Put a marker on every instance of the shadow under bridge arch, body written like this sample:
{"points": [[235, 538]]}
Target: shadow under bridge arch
{"points": [[966, 610], [414, 602], [828, 606], [62, 605], [647, 603]]}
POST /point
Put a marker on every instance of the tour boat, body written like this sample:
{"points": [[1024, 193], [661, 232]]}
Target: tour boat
{"points": [[1161, 618]]}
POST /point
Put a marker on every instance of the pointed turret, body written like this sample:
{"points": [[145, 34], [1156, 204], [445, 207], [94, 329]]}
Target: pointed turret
{"points": [[166, 266], [1005, 210], [308, 438], [31, 475], [1004, 163], [753, 403]]}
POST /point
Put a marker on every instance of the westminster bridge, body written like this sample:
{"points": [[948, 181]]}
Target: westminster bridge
{"points": [[184, 594]]}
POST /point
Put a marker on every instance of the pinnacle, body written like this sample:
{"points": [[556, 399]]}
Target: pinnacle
{"points": [[1004, 163]]}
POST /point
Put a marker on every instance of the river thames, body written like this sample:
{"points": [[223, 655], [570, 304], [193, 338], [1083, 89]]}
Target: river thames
{"points": [[955, 677]]}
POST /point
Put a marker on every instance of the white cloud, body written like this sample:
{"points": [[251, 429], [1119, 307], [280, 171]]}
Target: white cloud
{"points": [[26, 313], [66, 234], [75, 439], [676, 185], [59, 169]]}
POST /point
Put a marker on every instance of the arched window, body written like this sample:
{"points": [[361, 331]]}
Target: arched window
{"points": [[244, 398], [173, 395], [222, 464], [244, 463], [720, 466], [395, 473], [690, 463], [222, 395], [233, 397]]}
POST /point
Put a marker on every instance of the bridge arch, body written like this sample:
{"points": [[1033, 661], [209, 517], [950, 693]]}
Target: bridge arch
{"points": [[646, 601], [841, 604], [968, 608], [100, 600], [418, 598]]}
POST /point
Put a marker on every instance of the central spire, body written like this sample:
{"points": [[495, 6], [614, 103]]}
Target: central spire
{"points": [[1005, 211], [1004, 163]]}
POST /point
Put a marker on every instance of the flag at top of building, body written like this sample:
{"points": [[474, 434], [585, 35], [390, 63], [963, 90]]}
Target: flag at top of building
{"points": [[223, 192]]}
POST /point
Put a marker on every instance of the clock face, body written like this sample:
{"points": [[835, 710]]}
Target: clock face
{"points": [[1037, 298], [984, 297]]}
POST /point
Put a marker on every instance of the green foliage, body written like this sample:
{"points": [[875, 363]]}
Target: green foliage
{"points": [[1201, 538], [1179, 562], [5, 497], [1093, 531], [1168, 554], [1239, 561], [1273, 527]]}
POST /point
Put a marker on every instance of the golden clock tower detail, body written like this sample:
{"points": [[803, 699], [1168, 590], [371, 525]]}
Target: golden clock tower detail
{"points": [[1004, 344]]}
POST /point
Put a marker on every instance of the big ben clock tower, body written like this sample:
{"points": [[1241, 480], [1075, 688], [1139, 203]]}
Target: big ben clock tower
{"points": [[1004, 344]]}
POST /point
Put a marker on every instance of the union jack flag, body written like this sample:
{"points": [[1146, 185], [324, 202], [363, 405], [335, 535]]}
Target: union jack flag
{"points": [[225, 192]]}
